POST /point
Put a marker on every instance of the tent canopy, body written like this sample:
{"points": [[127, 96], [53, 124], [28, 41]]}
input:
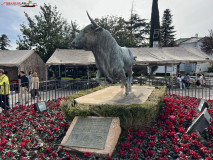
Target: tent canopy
{"points": [[71, 57], [14, 58], [144, 56]]}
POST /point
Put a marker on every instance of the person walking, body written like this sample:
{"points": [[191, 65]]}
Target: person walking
{"points": [[35, 86], [4, 90], [24, 88], [180, 82], [29, 78]]}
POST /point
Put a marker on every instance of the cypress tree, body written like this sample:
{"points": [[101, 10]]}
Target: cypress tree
{"points": [[4, 42], [155, 23], [167, 30]]}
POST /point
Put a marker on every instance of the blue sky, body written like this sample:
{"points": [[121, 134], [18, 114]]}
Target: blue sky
{"points": [[10, 22], [189, 16]]}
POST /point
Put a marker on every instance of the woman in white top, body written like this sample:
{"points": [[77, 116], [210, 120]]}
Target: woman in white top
{"points": [[35, 86], [180, 82]]}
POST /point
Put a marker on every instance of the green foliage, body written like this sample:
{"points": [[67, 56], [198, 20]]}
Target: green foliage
{"points": [[4, 42], [139, 29], [210, 69], [134, 116], [167, 30], [47, 31], [155, 23], [153, 69], [118, 28], [207, 43]]}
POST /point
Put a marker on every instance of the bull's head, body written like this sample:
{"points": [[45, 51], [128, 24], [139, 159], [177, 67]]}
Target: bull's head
{"points": [[87, 37]]}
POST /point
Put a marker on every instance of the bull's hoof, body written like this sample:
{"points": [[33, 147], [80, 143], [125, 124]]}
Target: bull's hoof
{"points": [[103, 83], [126, 94]]}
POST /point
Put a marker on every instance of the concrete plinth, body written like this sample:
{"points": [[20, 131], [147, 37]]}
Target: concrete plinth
{"points": [[115, 95]]}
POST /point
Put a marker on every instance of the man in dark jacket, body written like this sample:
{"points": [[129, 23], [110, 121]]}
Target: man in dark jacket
{"points": [[24, 88]]}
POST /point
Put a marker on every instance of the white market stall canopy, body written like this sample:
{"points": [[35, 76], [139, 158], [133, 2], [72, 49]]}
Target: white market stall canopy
{"points": [[14, 58], [145, 56], [71, 57], [170, 55]]}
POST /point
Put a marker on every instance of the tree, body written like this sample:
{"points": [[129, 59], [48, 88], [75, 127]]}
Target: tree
{"points": [[207, 43], [167, 30], [4, 42], [117, 27], [46, 32], [155, 24], [139, 29]]}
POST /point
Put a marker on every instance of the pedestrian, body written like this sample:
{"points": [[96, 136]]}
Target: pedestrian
{"points": [[199, 79], [24, 88], [180, 82], [35, 86], [4, 90], [203, 79], [30, 77], [186, 80]]}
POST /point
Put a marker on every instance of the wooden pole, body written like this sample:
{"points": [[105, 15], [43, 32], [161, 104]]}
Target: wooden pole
{"points": [[165, 70]]}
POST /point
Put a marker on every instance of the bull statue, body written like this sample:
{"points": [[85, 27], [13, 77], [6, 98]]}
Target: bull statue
{"points": [[112, 61]]}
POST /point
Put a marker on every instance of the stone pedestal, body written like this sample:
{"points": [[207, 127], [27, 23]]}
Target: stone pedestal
{"points": [[114, 95], [98, 135]]}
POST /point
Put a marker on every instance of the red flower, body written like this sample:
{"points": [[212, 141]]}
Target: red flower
{"points": [[48, 149], [54, 154], [172, 118], [108, 157], [87, 154]]}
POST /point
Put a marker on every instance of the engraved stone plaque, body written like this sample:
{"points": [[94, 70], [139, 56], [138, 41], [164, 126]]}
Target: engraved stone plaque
{"points": [[202, 105], [201, 122], [89, 133]]}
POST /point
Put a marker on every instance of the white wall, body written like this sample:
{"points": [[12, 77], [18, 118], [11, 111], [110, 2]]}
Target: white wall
{"points": [[170, 69], [202, 67]]}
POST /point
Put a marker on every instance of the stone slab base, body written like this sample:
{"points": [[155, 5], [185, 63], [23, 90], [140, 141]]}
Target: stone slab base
{"points": [[114, 95]]}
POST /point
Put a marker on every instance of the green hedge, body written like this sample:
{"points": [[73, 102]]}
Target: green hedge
{"points": [[136, 116]]}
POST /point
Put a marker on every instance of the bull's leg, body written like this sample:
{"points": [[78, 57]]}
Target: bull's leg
{"points": [[98, 75], [122, 84], [124, 81], [97, 78], [130, 80]]}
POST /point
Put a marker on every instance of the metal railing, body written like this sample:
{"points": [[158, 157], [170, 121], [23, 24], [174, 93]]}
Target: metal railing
{"points": [[47, 90], [205, 90]]}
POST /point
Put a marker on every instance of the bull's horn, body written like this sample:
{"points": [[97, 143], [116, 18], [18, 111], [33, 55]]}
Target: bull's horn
{"points": [[92, 21], [74, 28]]}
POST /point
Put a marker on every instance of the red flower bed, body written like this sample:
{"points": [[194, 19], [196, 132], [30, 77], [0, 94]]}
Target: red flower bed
{"points": [[167, 139], [25, 134]]}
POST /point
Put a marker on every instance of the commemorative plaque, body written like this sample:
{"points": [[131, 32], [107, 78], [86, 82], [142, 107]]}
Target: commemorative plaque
{"points": [[89, 133], [202, 105], [40, 106], [200, 123], [98, 135]]}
